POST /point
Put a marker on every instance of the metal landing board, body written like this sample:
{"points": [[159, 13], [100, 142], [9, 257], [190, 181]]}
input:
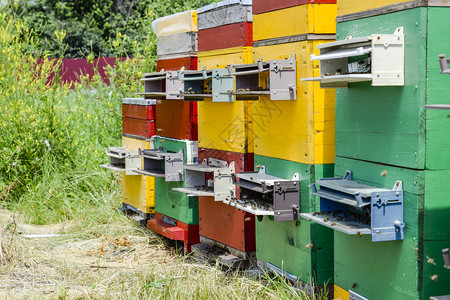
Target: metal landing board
{"points": [[252, 208], [194, 191], [350, 187], [152, 172], [342, 226]]}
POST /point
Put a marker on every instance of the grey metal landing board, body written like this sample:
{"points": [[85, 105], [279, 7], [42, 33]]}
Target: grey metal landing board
{"points": [[153, 173], [334, 223], [254, 209], [113, 168], [194, 192]]}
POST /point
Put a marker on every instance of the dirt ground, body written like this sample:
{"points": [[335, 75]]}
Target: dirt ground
{"points": [[69, 265]]}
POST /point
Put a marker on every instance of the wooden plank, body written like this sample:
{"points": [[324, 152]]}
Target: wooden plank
{"points": [[309, 120], [222, 57], [224, 15], [174, 204], [386, 124], [316, 18], [146, 112], [262, 6], [438, 123], [231, 35], [177, 43], [350, 10], [138, 191], [437, 206], [138, 127], [188, 62], [227, 225], [360, 264], [176, 119]]}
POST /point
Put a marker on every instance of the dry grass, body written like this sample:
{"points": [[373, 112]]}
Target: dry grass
{"points": [[128, 263]]}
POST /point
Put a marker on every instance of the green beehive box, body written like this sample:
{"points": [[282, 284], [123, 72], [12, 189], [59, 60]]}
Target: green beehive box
{"points": [[300, 248], [398, 269], [390, 125], [170, 203]]}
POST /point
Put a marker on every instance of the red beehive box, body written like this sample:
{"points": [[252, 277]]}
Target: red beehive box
{"points": [[138, 117], [174, 64], [178, 231], [221, 222], [225, 24], [262, 6]]}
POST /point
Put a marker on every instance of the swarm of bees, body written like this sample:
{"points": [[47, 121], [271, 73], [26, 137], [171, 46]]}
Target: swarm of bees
{"points": [[345, 216]]}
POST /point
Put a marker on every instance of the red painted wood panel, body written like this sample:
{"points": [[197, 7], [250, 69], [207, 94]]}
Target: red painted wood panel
{"points": [[177, 119], [227, 36], [182, 232], [139, 127], [262, 6], [146, 112], [221, 222], [174, 64]]}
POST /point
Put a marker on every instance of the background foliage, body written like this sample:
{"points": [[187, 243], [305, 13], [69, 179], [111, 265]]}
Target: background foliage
{"points": [[93, 26]]}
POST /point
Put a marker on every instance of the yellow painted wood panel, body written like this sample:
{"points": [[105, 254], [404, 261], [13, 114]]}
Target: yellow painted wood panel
{"points": [[340, 293], [138, 190], [302, 19], [300, 130], [225, 126], [221, 58], [345, 7]]}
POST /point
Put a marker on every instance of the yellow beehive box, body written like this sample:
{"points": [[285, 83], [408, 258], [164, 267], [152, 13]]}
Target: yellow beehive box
{"points": [[345, 7], [138, 191], [297, 20], [299, 130], [225, 126]]}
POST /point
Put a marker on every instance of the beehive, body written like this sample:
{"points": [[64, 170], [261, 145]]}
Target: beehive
{"points": [[138, 117], [383, 135], [231, 20], [303, 249], [309, 119], [138, 191], [263, 6]]}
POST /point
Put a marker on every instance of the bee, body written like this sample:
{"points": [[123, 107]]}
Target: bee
{"points": [[247, 219], [244, 197], [314, 213], [333, 224], [253, 206], [430, 260], [384, 173], [309, 219], [434, 277], [310, 245], [325, 219], [359, 234]]}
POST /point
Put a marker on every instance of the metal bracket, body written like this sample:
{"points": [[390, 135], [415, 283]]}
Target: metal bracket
{"points": [[219, 185], [174, 85], [154, 85], [262, 194], [383, 64], [222, 82], [340, 199], [157, 163], [122, 160], [444, 62]]}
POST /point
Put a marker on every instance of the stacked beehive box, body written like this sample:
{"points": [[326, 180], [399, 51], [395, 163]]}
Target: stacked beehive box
{"points": [[295, 135], [176, 126], [225, 126], [138, 125], [386, 139]]}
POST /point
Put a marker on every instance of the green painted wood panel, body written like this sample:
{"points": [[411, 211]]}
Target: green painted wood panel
{"points": [[173, 204], [284, 244], [438, 91], [432, 285], [386, 124], [437, 206], [383, 270]]}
